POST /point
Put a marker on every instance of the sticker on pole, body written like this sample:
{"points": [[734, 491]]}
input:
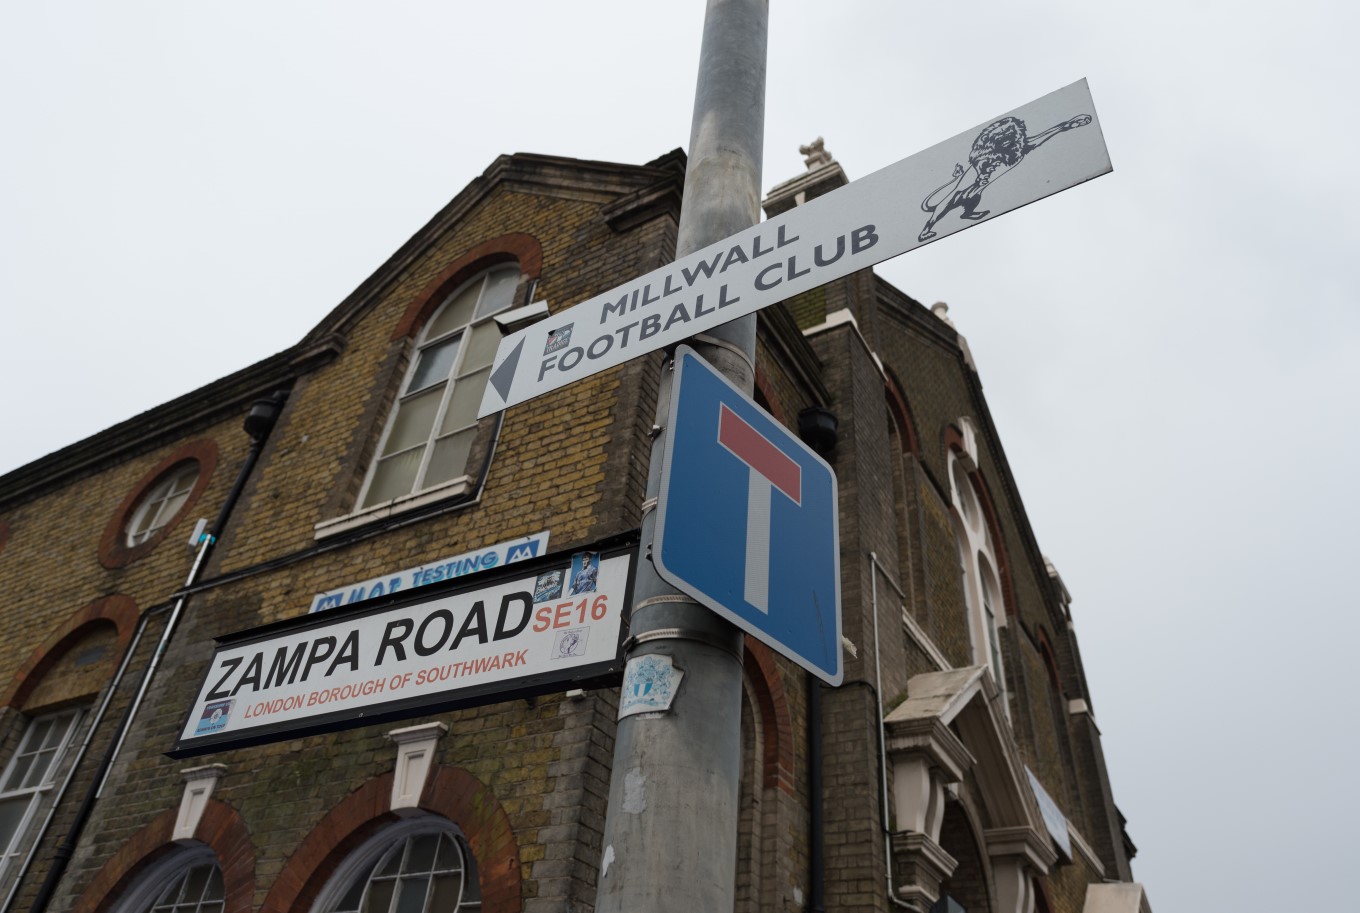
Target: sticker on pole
{"points": [[746, 519]]}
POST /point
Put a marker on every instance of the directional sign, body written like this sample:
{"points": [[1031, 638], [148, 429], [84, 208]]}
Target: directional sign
{"points": [[746, 520], [1034, 151]]}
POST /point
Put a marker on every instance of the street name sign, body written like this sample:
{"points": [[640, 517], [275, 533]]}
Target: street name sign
{"points": [[747, 521], [1025, 155], [529, 628]]}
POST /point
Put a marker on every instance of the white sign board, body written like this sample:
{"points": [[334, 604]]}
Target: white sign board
{"points": [[1054, 819], [482, 559], [527, 630], [1032, 152]]}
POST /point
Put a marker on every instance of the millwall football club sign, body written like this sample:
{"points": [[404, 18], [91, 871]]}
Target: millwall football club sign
{"points": [[1025, 155], [530, 628]]}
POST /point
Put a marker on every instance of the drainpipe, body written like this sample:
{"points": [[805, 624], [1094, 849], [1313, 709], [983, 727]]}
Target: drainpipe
{"points": [[877, 569], [259, 422], [816, 826]]}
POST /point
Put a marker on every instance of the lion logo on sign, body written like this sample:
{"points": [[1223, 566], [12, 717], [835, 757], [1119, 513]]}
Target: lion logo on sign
{"points": [[1000, 146]]}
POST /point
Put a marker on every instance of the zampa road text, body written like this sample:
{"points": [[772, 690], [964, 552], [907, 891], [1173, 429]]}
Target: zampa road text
{"points": [[327, 654]]}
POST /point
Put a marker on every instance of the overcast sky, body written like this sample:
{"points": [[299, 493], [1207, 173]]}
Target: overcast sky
{"points": [[1171, 352]]}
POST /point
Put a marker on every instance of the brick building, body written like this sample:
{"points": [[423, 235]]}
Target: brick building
{"points": [[959, 763]]}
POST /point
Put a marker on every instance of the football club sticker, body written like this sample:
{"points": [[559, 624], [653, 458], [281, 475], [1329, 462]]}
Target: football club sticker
{"points": [[585, 571], [548, 586], [214, 718], [558, 339], [649, 685]]}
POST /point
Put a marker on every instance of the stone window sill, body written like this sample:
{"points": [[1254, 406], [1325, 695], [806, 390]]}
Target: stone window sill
{"points": [[397, 506]]}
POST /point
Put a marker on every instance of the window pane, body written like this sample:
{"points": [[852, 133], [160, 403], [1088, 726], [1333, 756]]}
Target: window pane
{"points": [[37, 774], [379, 897], [196, 881], [481, 349], [411, 895], [11, 816], [38, 733], [455, 314], [184, 478], [421, 855], [16, 773], [444, 895], [448, 859], [434, 364], [500, 291], [170, 508], [394, 476], [449, 460], [414, 421], [463, 402]]}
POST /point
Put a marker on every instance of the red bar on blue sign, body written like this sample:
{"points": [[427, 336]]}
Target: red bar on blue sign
{"points": [[755, 450]]}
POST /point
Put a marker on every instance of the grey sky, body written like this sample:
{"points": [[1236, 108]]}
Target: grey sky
{"points": [[1171, 352]]}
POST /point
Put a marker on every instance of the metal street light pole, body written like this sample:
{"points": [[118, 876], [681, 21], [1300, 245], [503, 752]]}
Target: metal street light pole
{"points": [[671, 829]]}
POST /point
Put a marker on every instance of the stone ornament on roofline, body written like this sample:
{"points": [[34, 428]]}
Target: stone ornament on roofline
{"points": [[815, 154]]}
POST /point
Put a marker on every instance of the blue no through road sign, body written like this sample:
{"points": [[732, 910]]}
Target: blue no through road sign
{"points": [[747, 520]]}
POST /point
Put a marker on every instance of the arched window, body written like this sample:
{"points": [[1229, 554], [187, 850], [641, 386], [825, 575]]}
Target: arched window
{"points": [[978, 563], [422, 865], [187, 881], [162, 503], [30, 774], [432, 425]]}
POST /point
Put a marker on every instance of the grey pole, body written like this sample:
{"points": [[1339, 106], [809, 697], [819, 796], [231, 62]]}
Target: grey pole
{"points": [[670, 834]]}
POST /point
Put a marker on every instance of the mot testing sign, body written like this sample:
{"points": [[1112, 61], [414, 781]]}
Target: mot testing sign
{"points": [[1025, 155], [526, 629], [747, 520], [521, 549]]}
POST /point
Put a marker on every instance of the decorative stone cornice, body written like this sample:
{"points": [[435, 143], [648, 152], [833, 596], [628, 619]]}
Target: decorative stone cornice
{"points": [[929, 736], [199, 783], [1025, 842], [807, 186], [415, 756], [920, 864]]}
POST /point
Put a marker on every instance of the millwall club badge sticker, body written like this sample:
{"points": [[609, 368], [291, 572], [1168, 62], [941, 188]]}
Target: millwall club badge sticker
{"points": [[214, 718], [649, 685]]}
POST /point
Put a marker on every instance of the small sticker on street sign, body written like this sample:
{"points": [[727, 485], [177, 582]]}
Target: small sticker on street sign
{"points": [[1039, 149]]}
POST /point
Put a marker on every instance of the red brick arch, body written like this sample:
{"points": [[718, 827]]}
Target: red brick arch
{"points": [[954, 441], [776, 725], [221, 828], [120, 610], [897, 405], [451, 792], [114, 552], [509, 248]]}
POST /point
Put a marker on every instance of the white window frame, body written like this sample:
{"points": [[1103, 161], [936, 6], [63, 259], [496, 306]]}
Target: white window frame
{"points": [[423, 343], [48, 779], [365, 859], [151, 886], [176, 484], [977, 559]]}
